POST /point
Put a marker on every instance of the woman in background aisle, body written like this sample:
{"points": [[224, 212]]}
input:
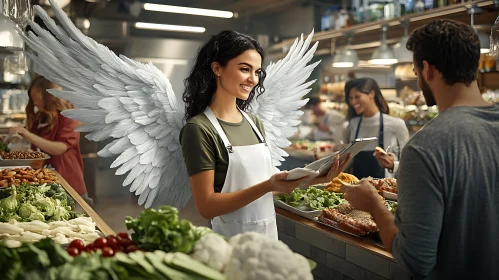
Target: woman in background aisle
{"points": [[329, 125], [53, 133], [368, 116]]}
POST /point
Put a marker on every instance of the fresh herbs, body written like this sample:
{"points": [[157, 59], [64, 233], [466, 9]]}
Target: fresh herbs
{"points": [[313, 198], [161, 230]]}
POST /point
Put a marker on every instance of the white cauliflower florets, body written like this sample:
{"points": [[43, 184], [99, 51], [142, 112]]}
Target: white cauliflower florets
{"points": [[213, 251], [255, 256]]}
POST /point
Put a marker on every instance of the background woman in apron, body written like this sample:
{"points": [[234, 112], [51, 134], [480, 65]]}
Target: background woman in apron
{"points": [[53, 133], [368, 117], [229, 164]]}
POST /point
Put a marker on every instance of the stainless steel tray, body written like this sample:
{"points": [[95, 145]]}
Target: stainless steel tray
{"points": [[21, 162], [316, 219], [309, 214]]}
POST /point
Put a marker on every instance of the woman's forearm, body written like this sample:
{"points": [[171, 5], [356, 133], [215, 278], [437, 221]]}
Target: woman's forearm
{"points": [[217, 204], [51, 147]]}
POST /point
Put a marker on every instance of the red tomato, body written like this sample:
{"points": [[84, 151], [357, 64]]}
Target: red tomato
{"points": [[125, 242], [107, 251], [123, 235], [72, 251], [100, 243], [113, 242], [131, 248], [78, 244]]}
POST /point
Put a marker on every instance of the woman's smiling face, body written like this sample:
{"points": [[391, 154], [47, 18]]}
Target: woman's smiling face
{"points": [[360, 101], [241, 74]]}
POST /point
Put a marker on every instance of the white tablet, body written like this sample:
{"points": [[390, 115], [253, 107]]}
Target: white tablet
{"points": [[322, 166]]}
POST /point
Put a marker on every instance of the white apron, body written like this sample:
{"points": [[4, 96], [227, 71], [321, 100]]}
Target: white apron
{"points": [[248, 166]]}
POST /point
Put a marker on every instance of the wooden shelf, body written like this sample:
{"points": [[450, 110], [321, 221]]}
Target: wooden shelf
{"points": [[101, 225], [457, 10]]}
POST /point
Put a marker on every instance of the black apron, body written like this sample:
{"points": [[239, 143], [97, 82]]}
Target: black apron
{"points": [[364, 163]]}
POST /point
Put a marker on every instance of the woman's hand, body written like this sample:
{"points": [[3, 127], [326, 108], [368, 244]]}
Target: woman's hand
{"points": [[335, 170], [21, 131], [279, 184], [386, 160]]}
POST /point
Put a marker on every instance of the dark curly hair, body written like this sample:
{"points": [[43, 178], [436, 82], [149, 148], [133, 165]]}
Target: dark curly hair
{"points": [[452, 47], [201, 83], [365, 86]]}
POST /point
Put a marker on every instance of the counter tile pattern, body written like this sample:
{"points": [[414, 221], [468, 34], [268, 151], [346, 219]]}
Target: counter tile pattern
{"points": [[335, 258]]}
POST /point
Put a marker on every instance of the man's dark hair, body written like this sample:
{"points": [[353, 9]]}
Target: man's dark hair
{"points": [[452, 47]]}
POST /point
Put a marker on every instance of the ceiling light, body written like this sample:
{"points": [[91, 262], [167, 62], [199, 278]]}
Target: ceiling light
{"points": [[187, 10], [346, 57], [484, 38], [402, 54], [383, 55], [168, 27]]}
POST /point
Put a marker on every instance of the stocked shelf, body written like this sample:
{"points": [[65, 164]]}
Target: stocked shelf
{"points": [[416, 18]]}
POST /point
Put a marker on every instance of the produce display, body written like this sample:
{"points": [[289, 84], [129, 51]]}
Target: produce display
{"points": [[312, 198], [22, 155], [109, 246], [18, 176], [247, 256], [61, 232], [47, 260], [47, 202]]}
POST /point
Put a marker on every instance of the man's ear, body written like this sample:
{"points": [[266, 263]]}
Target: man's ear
{"points": [[428, 71]]}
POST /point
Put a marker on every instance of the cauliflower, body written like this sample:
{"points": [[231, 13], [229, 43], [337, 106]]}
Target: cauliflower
{"points": [[9, 204], [212, 250], [256, 256]]}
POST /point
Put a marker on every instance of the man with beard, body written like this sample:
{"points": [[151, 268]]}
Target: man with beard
{"points": [[446, 223]]}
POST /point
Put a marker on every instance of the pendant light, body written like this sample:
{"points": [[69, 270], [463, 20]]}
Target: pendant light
{"points": [[484, 38], [402, 54], [346, 57], [383, 55]]}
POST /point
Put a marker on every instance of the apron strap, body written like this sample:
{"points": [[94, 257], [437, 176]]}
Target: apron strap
{"points": [[253, 126], [209, 113], [381, 137]]}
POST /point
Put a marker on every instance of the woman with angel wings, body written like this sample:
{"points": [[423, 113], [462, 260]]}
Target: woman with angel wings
{"points": [[133, 103]]}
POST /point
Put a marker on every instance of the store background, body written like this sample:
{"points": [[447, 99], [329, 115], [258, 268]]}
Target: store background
{"points": [[275, 24]]}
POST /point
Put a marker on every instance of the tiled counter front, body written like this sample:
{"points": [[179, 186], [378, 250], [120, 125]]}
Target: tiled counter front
{"points": [[338, 255]]}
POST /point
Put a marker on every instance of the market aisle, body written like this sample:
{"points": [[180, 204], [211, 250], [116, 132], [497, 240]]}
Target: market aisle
{"points": [[115, 202]]}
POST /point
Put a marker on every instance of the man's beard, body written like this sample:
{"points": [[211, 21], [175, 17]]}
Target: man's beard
{"points": [[428, 93]]}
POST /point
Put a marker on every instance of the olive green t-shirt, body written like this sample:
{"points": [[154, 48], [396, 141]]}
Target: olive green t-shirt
{"points": [[203, 148]]}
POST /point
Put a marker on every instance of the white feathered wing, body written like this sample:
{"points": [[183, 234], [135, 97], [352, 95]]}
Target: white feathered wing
{"points": [[285, 86], [118, 98], [134, 104]]}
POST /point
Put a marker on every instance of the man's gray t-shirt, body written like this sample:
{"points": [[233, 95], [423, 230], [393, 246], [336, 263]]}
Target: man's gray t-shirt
{"points": [[448, 212]]}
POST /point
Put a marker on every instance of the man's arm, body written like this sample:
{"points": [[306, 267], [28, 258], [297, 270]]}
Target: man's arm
{"points": [[420, 211], [413, 235]]}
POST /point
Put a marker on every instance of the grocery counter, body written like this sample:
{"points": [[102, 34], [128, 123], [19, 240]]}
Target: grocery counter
{"points": [[337, 254]]}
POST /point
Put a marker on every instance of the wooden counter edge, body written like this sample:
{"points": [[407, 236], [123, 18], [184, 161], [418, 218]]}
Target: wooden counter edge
{"points": [[101, 225], [359, 242]]}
